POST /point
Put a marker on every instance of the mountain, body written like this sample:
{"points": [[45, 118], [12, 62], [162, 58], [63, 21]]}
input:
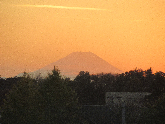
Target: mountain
{"points": [[75, 62]]}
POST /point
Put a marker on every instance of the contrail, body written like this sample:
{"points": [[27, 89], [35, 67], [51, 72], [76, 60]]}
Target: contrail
{"points": [[62, 7]]}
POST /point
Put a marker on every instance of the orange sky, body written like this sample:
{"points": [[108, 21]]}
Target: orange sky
{"points": [[125, 33]]}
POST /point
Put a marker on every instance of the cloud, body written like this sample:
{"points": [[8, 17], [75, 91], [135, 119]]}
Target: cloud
{"points": [[62, 7]]}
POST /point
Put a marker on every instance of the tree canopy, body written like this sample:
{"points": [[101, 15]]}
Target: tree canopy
{"points": [[50, 101]]}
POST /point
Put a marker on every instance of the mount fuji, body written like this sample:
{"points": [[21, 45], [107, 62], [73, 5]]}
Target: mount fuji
{"points": [[71, 65]]}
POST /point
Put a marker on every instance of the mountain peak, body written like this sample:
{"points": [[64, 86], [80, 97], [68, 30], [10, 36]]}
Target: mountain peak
{"points": [[75, 62], [82, 53]]}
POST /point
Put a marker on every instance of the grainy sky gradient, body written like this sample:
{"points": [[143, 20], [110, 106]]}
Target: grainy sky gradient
{"points": [[125, 33]]}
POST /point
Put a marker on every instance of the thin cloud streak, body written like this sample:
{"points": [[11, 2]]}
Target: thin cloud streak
{"points": [[61, 7]]}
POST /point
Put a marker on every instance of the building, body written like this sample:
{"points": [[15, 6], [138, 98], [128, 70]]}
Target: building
{"points": [[129, 98]]}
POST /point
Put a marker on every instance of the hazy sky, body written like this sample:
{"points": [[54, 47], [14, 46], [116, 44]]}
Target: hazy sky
{"points": [[125, 33]]}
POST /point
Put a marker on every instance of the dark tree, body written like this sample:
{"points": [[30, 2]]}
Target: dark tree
{"points": [[84, 88], [48, 102], [154, 113]]}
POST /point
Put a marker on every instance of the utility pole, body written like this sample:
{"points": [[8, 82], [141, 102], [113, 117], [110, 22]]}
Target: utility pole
{"points": [[123, 112], [122, 104]]}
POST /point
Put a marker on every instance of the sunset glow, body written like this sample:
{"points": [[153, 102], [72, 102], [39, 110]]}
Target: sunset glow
{"points": [[127, 34]]}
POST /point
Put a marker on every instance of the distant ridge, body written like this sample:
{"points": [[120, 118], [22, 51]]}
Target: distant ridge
{"points": [[75, 62]]}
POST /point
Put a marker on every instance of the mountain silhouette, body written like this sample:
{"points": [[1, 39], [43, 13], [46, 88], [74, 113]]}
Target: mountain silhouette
{"points": [[71, 65]]}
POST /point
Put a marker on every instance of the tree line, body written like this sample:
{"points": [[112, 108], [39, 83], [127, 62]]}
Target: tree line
{"points": [[45, 101], [57, 100], [91, 89]]}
